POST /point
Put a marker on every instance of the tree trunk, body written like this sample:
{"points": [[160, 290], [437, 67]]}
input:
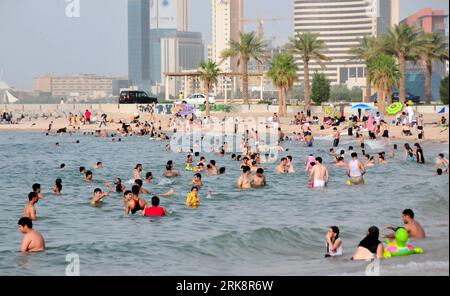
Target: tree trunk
{"points": [[307, 88], [280, 102], [388, 93], [285, 101], [380, 99], [428, 82], [367, 97], [244, 62], [402, 87], [207, 98]]}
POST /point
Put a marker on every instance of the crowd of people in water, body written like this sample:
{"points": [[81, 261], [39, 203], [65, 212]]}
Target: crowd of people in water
{"points": [[252, 163]]}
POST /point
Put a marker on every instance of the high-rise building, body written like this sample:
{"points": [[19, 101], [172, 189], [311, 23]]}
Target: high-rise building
{"points": [[183, 12], [174, 51], [139, 43], [429, 20], [226, 25], [341, 24], [387, 15], [169, 14]]}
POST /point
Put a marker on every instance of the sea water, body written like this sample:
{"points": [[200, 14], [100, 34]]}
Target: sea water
{"points": [[276, 230]]}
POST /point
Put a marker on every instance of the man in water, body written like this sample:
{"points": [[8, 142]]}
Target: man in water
{"points": [[155, 210], [340, 162], [33, 240], [148, 177], [197, 180], [355, 170], [169, 173], [89, 176], [136, 203], [30, 211], [98, 196], [336, 137], [319, 174], [415, 230], [214, 170], [258, 179], [139, 183], [244, 180], [282, 168], [37, 189], [222, 171]]}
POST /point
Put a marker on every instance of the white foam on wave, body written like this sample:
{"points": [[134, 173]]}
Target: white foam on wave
{"points": [[374, 145]]}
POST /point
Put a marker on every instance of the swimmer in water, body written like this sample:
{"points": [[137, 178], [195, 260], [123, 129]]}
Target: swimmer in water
{"points": [[139, 183], [214, 170], [193, 199], [82, 170], [381, 159], [137, 171], [29, 210], [415, 230], [33, 240], [169, 173], [155, 210], [310, 159], [258, 180], [308, 140], [244, 180], [282, 168], [245, 162], [368, 160], [57, 187], [340, 162], [99, 165], [334, 243], [37, 189], [98, 197], [119, 186], [222, 171], [290, 165], [136, 203], [89, 177], [370, 247], [197, 180], [319, 174], [442, 163], [148, 177]]}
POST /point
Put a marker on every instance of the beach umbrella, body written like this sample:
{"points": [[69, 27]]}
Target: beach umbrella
{"points": [[361, 106], [442, 110], [395, 108]]}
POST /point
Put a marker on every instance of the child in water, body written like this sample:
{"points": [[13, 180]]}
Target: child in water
{"points": [[57, 187], [193, 199]]}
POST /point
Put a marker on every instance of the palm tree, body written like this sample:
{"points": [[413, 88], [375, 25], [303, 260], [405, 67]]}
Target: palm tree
{"points": [[249, 46], [367, 49], [384, 73], [434, 49], [208, 75], [283, 72], [402, 42], [308, 47]]}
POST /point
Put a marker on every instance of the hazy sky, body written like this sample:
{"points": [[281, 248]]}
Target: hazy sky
{"points": [[37, 37]]}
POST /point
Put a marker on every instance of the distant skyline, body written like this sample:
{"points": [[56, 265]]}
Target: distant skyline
{"points": [[38, 37]]}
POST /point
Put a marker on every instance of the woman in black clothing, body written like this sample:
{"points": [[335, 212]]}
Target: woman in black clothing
{"points": [[370, 247], [419, 154]]}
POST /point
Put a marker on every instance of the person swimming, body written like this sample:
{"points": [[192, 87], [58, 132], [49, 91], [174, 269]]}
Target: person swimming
{"points": [[370, 247], [98, 197], [136, 203], [333, 242], [258, 180], [197, 180], [155, 210], [244, 180], [33, 241], [57, 187], [193, 199], [30, 209]]}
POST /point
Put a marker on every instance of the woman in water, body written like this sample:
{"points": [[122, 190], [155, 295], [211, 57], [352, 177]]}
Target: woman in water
{"points": [[137, 171], [419, 154], [368, 161], [334, 243], [409, 154], [57, 187], [370, 247]]}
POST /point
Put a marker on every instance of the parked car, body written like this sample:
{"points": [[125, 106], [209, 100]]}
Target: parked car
{"points": [[198, 99], [136, 97], [395, 98]]}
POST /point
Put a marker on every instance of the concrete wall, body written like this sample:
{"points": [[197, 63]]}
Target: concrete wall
{"points": [[131, 108]]}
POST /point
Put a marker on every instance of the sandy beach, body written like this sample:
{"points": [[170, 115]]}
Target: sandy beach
{"points": [[433, 131]]}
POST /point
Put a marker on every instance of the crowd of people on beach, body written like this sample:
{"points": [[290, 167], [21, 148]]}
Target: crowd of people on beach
{"points": [[255, 153]]}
